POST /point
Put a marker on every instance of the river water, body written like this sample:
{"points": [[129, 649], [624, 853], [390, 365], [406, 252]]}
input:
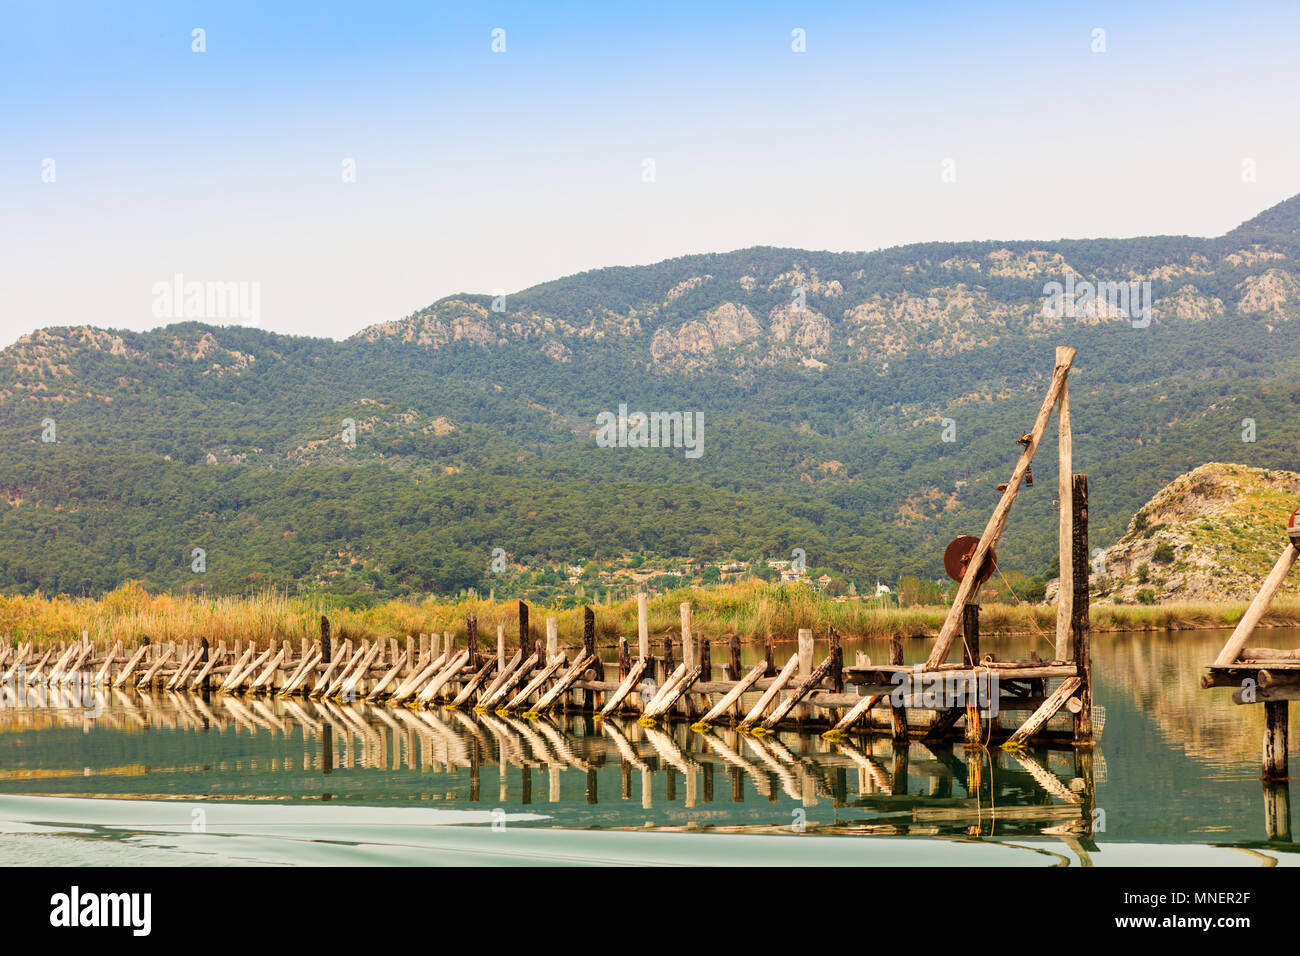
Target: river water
{"points": [[176, 779]]}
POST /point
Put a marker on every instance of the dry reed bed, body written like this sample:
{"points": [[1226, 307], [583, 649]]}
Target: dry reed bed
{"points": [[751, 609]]}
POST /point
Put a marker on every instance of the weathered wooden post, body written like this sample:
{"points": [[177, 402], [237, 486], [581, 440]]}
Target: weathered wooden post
{"points": [[733, 657], [324, 639], [1277, 811], [1080, 628], [524, 643], [898, 712], [589, 647], [624, 658], [970, 623], [1275, 763], [642, 627], [690, 654], [769, 656], [805, 667], [203, 658], [471, 629], [552, 638]]}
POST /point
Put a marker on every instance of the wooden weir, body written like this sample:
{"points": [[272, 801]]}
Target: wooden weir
{"points": [[931, 700]]}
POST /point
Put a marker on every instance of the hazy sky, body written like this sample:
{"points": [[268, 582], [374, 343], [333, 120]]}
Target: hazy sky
{"points": [[478, 170]]}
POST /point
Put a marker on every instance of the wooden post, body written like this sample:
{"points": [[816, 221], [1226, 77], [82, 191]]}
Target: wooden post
{"points": [[1267, 591], [589, 648], [805, 640], [1079, 624], [501, 649], [471, 629], [324, 639], [993, 530], [769, 656], [552, 638], [524, 642], [1277, 811], [1275, 740], [642, 627], [733, 657], [624, 658], [898, 713], [203, 656], [688, 644], [837, 667], [970, 656], [1065, 539]]}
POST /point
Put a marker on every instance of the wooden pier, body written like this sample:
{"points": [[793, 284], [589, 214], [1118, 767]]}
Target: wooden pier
{"points": [[933, 700]]}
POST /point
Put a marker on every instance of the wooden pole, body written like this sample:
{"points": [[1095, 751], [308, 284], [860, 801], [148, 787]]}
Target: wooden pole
{"points": [[970, 656], [897, 712], [1079, 624], [1065, 542], [993, 530], [524, 644], [324, 639], [1275, 740], [471, 629], [552, 638], [642, 627], [689, 649], [1267, 591], [805, 666]]}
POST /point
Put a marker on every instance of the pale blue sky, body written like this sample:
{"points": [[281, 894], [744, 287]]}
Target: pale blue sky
{"points": [[478, 170]]}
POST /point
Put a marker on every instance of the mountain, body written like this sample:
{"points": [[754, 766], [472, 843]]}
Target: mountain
{"points": [[826, 385], [1209, 535]]}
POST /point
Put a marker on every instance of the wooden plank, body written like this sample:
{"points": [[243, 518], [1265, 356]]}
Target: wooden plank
{"points": [[1044, 713], [799, 692], [237, 676], [363, 653], [155, 667], [735, 693], [550, 698], [668, 685], [856, 712], [534, 685], [423, 673], [625, 688], [399, 664], [336, 661], [270, 669], [474, 682], [1258, 606], [238, 666], [1065, 497], [131, 663], [508, 685], [666, 700], [769, 695], [206, 669], [347, 684], [304, 671], [993, 530], [504, 669], [443, 678]]}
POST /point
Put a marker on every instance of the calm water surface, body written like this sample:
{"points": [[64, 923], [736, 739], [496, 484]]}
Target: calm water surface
{"points": [[233, 780]]}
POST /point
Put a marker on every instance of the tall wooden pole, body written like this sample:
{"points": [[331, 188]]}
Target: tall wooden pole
{"points": [[965, 589], [1267, 591], [1065, 456]]}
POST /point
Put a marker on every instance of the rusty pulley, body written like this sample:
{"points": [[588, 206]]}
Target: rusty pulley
{"points": [[957, 557]]}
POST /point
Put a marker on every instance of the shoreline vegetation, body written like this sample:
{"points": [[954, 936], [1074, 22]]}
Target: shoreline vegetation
{"points": [[750, 609]]}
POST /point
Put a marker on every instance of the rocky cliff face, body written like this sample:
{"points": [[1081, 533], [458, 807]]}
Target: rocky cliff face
{"points": [[1209, 535]]}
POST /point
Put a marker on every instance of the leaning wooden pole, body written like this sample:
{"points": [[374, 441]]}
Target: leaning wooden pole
{"points": [[993, 530], [1268, 590], [1065, 464]]}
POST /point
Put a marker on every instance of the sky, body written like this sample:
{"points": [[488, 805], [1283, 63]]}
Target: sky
{"points": [[354, 162]]}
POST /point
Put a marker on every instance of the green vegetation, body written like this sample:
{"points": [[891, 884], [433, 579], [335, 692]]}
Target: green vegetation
{"points": [[228, 440]]}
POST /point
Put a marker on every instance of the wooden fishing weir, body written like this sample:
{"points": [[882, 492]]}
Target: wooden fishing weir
{"points": [[1268, 676], [527, 676]]}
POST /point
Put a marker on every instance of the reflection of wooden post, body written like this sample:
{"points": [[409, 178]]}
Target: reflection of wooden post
{"points": [[1065, 456], [1274, 739], [993, 530], [1277, 811], [1079, 624], [1267, 591]]}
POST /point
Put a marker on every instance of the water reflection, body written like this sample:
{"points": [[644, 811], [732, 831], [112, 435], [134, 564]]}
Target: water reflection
{"points": [[583, 772]]}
